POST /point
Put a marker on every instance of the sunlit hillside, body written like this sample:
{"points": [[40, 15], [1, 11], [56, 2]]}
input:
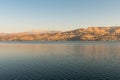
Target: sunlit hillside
{"points": [[90, 33]]}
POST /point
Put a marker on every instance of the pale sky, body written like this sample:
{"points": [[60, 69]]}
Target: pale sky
{"points": [[27, 15]]}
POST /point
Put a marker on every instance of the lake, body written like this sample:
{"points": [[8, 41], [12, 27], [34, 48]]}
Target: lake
{"points": [[67, 60]]}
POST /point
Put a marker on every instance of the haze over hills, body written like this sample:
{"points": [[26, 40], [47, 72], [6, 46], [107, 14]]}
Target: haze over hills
{"points": [[43, 31], [82, 34]]}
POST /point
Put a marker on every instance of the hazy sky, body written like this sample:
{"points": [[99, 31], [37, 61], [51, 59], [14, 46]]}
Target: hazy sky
{"points": [[25, 15]]}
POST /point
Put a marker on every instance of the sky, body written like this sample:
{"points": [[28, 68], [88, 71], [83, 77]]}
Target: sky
{"points": [[28, 15]]}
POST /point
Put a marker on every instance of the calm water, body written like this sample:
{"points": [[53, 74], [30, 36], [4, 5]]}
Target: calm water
{"points": [[60, 60]]}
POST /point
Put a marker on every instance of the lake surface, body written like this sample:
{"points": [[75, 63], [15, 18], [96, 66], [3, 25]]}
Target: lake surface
{"points": [[84, 60]]}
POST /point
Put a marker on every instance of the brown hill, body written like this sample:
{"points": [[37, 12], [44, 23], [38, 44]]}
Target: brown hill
{"points": [[82, 34]]}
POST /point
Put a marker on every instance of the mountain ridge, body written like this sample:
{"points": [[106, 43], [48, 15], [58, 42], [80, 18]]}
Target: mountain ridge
{"points": [[81, 34]]}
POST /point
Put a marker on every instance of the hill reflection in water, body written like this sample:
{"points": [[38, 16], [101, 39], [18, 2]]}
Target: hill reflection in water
{"points": [[60, 60]]}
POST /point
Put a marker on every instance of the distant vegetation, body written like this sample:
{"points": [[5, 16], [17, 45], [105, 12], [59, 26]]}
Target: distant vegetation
{"points": [[82, 34]]}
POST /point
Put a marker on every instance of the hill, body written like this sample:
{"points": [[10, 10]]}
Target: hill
{"points": [[82, 34]]}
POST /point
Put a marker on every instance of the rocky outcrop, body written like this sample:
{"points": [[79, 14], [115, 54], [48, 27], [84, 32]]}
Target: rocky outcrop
{"points": [[82, 34]]}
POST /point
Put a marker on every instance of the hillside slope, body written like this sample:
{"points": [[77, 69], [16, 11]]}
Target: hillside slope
{"points": [[82, 34]]}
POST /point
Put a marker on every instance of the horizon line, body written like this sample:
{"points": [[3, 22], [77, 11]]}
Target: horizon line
{"points": [[50, 30]]}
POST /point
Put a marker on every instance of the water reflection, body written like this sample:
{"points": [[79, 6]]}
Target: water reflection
{"points": [[98, 52], [91, 52], [94, 52], [70, 61]]}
